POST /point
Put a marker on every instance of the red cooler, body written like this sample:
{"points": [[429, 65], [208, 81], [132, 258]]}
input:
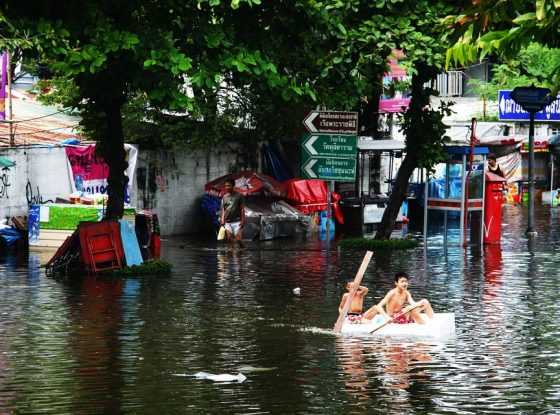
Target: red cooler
{"points": [[493, 200]]}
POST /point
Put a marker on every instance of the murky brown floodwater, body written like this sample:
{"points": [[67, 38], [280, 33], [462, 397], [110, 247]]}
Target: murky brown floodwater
{"points": [[97, 346]]}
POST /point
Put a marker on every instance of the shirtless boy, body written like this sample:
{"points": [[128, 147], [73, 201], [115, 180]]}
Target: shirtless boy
{"points": [[355, 313], [396, 300]]}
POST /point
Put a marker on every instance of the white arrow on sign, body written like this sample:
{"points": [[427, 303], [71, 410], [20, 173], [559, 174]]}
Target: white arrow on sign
{"points": [[309, 145], [308, 169], [308, 122]]}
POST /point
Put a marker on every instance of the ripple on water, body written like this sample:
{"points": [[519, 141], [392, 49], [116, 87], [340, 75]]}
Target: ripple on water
{"points": [[112, 346]]}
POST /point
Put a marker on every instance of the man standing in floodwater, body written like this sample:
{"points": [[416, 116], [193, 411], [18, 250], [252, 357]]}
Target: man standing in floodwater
{"points": [[232, 215]]}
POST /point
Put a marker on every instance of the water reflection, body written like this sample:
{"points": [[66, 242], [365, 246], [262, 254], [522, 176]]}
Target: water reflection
{"points": [[129, 346], [96, 316]]}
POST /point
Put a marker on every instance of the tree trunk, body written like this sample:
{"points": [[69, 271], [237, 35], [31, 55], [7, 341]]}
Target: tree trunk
{"points": [[415, 139], [369, 117], [115, 156], [398, 194]]}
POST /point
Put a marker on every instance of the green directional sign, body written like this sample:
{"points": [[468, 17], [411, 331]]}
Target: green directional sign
{"points": [[329, 145], [325, 168]]}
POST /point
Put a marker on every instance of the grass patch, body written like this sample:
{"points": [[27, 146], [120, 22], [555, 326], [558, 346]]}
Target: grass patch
{"points": [[375, 244], [155, 267]]}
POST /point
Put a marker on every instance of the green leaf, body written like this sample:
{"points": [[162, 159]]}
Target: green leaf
{"points": [[342, 29], [524, 18], [540, 9]]}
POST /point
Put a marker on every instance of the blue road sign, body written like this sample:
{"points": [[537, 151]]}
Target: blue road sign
{"points": [[509, 110]]}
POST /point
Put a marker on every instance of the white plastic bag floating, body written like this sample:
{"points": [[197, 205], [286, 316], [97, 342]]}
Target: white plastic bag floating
{"points": [[225, 377]]}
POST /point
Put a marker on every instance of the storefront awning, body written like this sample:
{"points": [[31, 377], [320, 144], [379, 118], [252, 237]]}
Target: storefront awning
{"points": [[369, 144]]}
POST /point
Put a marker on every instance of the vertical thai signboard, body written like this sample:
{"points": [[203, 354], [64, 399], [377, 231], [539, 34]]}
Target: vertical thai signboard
{"points": [[329, 151], [3, 83]]}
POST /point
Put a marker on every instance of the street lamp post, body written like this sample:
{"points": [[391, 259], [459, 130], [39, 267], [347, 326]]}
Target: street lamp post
{"points": [[532, 100], [531, 218]]}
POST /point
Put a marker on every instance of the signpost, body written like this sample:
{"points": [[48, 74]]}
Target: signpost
{"points": [[329, 151], [339, 170], [510, 110], [532, 100], [325, 145], [329, 157], [338, 122]]}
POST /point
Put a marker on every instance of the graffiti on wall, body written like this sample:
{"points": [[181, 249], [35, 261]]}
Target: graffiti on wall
{"points": [[4, 183], [34, 196]]}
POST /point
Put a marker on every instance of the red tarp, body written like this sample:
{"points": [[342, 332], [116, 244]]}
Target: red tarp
{"points": [[248, 183], [310, 196]]}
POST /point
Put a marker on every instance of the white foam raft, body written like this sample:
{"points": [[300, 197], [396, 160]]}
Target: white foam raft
{"points": [[442, 325]]}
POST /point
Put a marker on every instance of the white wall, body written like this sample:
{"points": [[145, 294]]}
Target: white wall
{"points": [[41, 174], [172, 183]]}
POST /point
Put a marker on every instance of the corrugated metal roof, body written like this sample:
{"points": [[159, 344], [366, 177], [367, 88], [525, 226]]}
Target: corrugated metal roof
{"points": [[35, 123]]}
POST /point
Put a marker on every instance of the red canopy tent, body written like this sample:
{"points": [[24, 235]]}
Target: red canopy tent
{"points": [[311, 196], [248, 183]]}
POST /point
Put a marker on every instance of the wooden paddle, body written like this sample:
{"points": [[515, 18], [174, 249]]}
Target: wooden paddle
{"points": [[402, 313], [355, 286]]}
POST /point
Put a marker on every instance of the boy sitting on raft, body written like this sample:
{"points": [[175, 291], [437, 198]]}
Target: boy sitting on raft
{"points": [[355, 313], [396, 300]]}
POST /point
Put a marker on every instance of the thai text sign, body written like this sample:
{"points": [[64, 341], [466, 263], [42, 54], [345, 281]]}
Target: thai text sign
{"points": [[337, 122], [330, 145], [329, 157], [339, 169], [509, 110]]}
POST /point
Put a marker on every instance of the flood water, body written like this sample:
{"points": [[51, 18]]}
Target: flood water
{"points": [[98, 346]]}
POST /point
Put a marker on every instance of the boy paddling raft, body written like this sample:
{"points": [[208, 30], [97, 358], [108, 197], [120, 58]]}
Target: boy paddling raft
{"points": [[397, 306], [399, 299]]}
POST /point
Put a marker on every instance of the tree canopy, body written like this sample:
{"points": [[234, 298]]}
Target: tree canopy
{"points": [[504, 29], [218, 69]]}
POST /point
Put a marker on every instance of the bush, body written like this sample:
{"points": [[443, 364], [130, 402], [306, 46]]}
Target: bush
{"points": [[375, 244], [155, 267]]}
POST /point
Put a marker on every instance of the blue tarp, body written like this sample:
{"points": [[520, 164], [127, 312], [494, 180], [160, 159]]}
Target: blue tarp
{"points": [[211, 206], [274, 165], [10, 235]]}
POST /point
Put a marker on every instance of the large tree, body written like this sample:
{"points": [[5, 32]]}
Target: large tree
{"points": [[174, 56]]}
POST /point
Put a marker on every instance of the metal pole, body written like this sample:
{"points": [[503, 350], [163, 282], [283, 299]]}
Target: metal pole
{"points": [[551, 176], [426, 210], [530, 222], [9, 74], [482, 229], [330, 186], [462, 227]]}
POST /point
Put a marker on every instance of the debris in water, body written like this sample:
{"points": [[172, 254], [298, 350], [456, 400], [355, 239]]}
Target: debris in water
{"points": [[225, 377]]}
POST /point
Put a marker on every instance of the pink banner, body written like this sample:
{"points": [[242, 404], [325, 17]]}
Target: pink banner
{"points": [[90, 171], [394, 104], [399, 102], [3, 82]]}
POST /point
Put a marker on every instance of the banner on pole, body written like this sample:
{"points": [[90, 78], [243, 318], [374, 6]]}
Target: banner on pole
{"points": [[3, 83]]}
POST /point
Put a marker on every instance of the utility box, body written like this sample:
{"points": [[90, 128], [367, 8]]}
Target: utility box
{"points": [[493, 200]]}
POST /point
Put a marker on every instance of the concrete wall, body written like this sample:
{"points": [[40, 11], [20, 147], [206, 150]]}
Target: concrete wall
{"points": [[169, 183], [41, 174], [172, 183]]}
